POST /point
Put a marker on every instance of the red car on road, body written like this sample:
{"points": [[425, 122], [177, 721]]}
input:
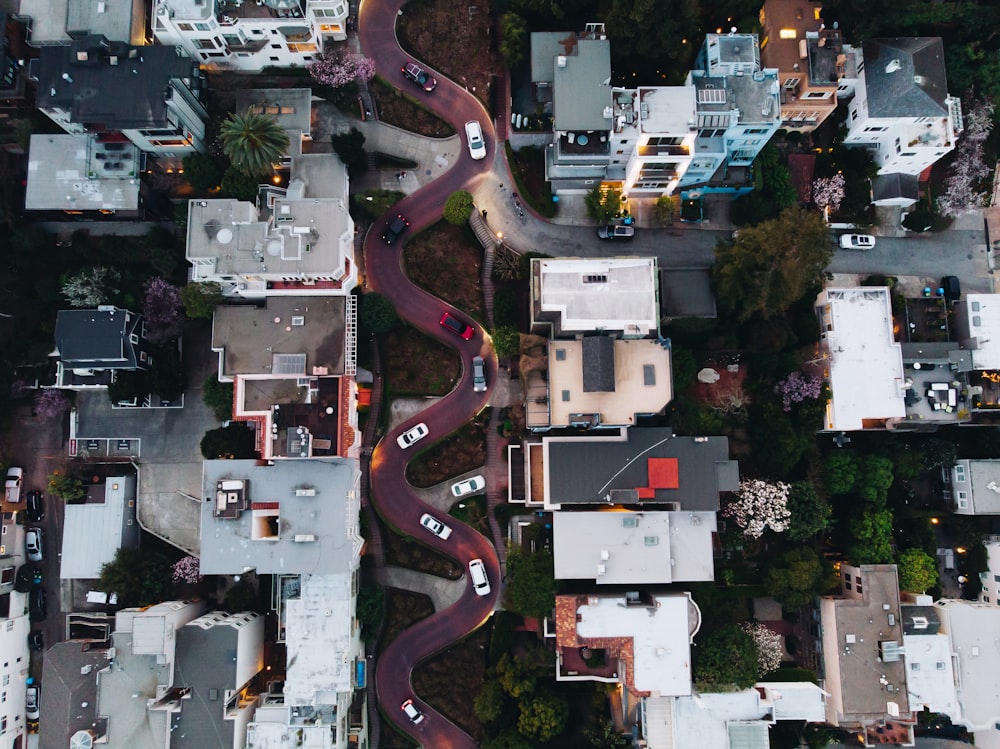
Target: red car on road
{"points": [[450, 322]]}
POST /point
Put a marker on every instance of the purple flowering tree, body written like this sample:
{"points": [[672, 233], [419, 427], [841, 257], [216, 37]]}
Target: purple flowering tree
{"points": [[341, 69], [828, 192], [759, 506], [162, 309], [965, 188], [187, 570], [51, 404], [798, 387]]}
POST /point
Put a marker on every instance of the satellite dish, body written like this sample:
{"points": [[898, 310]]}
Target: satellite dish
{"points": [[225, 236]]}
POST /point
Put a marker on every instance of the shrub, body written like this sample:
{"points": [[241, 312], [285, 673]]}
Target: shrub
{"points": [[458, 208]]}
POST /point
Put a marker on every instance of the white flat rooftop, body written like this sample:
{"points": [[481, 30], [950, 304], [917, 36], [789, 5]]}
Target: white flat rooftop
{"points": [[865, 363], [64, 174], [705, 721], [983, 314], [973, 628], [667, 109], [930, 676]]}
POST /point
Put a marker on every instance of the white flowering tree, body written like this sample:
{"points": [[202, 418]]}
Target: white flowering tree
{"points": [[965, 188], [759, 506], [92, 287], [769, 647], [829, 192]]}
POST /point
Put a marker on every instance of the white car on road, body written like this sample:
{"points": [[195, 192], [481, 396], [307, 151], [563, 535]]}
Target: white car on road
{"points": [[477, 146], [857, 241], [435, 526], [469, 486], [411, 435]]}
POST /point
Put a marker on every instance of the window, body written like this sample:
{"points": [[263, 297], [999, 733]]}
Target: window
{"points": [[898, 147], [565, 395], [275, 46], [300, 48], [963, 495], [185, 27], [205, 26], [791, 82], [143, 356], [818, 94], [648, 375], [619, 153], [560, 354], [272, 58], [665, 141], [960, 470], [875, 129], [205, 43], [854, 115], [650, 540], [914, 666], [755, 131], [787, 34]]}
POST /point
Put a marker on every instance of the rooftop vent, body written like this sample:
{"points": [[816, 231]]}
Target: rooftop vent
{"points": [[893, 66], [298, 321]]}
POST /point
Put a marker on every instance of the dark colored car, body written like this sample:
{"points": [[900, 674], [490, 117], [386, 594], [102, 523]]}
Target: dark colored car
{"points": [[37, 610], [420, 76], [952, 288], [36, 640], [456, 326], [395, 229], [35, 508]]}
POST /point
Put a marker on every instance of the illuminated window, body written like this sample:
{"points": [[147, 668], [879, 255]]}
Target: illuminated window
{"points": [[787, 33]]}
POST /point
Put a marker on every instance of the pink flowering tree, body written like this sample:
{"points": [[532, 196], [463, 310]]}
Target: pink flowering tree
{"points": [[161, 308], [828, 192], [341, 69], [798, 387], [966, 187], [51, 404], [758, 506], [769, 647], [187, 570]]}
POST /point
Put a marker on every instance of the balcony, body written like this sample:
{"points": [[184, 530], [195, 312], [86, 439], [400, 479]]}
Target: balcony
{"points": [[663, 151]]}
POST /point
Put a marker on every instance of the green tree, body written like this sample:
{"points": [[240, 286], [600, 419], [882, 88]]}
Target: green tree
{"points": [[253, 142], [200, 299], [371, 611], [377, 314], [236, 184], [543, 716], [514, 39], [663, 209], [489, 704], [810, 512], [139, 577], [840, 472], [67, 488], [798, 578], [872, 536], [769, 267], [938, 453], [508, 738], [218, 396], [725, 658], [918, 571], [458, 208], [201, 171], [603, 203], [684, 366], [531, 585], [376, 203], [350, 147], [234, 442], [874, 479], [506, 341], [604, 736], [517, 676]]}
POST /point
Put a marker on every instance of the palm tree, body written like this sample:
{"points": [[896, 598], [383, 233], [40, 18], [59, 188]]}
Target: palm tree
{"points": [[253, 142]]}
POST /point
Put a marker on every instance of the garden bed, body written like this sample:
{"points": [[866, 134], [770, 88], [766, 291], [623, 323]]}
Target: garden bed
{"points": [[443, 260], [416, 364], [403, 551], [464, 450], [396, 108], [528, 167], [435, 681], [473, 512]]}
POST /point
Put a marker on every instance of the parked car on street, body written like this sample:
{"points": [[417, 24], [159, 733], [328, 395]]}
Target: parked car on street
{"points": [[474, 134], [31, 703], [395, 229], [612, 231], [33, 544], [478, 374], [421, 77], [12, 485], [36, 640], [450, 322], [469, 486], [435, 526], [952, 288], [480, 580], [411, 435], [35, 507], [37, 610], [857, 241], [411, 711]]}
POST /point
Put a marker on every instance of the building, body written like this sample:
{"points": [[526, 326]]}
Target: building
{"points": [[291, 363], [163, 116], [860, 650], [645, 639], [633, 548], [638, 466], [809, 58], [14, 628], [17, 93], [977, 318], [95, 529], [901, 110], [975, 487], [930, 670], [93, 344], [54, 22], [300, 241], [81, 172], [991, 577], [251, 36], [290, 107]]}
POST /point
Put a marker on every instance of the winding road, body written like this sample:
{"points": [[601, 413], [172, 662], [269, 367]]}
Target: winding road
{"points": [[392, 496]]}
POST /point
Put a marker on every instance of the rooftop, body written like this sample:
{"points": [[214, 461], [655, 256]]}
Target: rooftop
{"points": [[311, 729], [581, 87], [984, 480], [95, 530], [251, 339], [78, 172], [733, 720], [118, 20], [864, 362], [789, 26], [633, 548], [70, 675], [981, 315], [930, 677], [302, 518], [753, 96], [973, 629], [88, 338], [638, 465], [291, 107], [905, 77]]}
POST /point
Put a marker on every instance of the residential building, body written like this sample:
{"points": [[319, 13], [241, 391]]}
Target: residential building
{"points": [[633, 548], [291, 363], [93, 344], [976, 319], [633, 467], [163, 116], [14, 628], [290, 107], [930, 670], [646, 640], [809, 58], [860, 651], [737, 110], [901, 110], [53, 22], [299, 241], [76, 173], [96, 528], [896, 189], [991, 577], [975, 487], [251, 36], [17, 93]]}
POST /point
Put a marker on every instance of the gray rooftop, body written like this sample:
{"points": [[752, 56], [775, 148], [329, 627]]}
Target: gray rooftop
{"points": [[118, 20], [206, 662], [920, 620], [753, 95], [598, 364], [615, 469], [124, 692], [73, 172], [94, 531], [905, 77], [315, 534], [291, 107], [891, 186], [249, 337], [85, 77], [545, 45], [581, 88], [66, 690], [96, 338], [984, 476]]}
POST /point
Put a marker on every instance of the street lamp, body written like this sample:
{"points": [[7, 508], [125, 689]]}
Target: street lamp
{"points": [[499, 238]]}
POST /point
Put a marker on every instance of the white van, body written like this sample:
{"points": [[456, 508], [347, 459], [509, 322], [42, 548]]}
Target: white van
{"points": [[480, 581], [477, 146]]}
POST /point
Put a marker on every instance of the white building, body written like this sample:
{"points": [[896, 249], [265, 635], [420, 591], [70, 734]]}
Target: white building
{"points": [[864, 363], [930, 669], [75, 173], [902, 111], [991, 577], [14, 628], [250, 35], [58, 21], [975, 487], [977, 325]]}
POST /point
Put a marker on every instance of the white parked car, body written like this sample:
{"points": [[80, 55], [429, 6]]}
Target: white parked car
{"points": [[478, 374], [411, 435], [857, 241], [480, 580], [31, 703], [33, 544], [435, 526], [477, 146], [469, 486]]}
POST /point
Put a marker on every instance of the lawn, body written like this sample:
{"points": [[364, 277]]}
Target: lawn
{"points": [[444, 260], [473, 512], [462, 451], [435, 680], [395, 107], [415, 364]]}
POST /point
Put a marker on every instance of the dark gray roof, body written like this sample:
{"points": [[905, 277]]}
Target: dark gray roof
{"points": [[96, 338], [598, 364], [888, 186], [905, 77], [204, 661], [588, 471], [89, 77], [912, 615], [65, 691]]}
